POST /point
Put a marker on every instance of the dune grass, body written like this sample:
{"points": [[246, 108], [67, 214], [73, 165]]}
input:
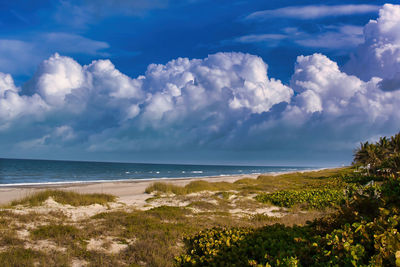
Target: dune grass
{"points": [[263, 182], [192, 187], [65, 197], [60, 233], [202, 205], [19, 256]]}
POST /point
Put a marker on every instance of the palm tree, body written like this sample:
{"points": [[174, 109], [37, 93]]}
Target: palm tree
{"points": [[395, 143], [384, 154], [361, 154]]}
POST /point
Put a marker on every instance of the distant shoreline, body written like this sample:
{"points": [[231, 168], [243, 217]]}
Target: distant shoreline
{"points": [[129, 191], [137, 180]]}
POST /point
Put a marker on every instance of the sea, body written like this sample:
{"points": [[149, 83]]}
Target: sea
{"points": [[36, 172]]}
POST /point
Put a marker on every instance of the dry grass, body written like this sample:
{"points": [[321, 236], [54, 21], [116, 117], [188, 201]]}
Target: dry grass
{"points": [[60, 233], [65, 197], [19, 256]]}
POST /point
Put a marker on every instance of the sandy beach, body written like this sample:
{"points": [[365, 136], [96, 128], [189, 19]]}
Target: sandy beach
{"points": [[128, 192]]}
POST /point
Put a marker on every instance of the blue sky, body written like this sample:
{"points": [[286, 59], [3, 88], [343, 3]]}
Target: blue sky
{"points": [[251, 107], [133, 34]]}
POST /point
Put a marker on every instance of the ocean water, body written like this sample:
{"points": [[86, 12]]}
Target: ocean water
{"points": [[27, 172]]}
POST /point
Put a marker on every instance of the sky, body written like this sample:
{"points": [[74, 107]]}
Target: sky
{"points": [[297, 83]]}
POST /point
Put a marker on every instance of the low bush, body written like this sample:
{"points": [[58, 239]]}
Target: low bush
{"points": [[312, 198]]}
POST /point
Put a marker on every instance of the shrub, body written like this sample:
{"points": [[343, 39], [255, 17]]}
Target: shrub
{"points": [[313, 198]]}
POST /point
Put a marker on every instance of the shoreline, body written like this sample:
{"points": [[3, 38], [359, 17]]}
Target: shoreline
{"points": [[137, 180], [128, 191]]}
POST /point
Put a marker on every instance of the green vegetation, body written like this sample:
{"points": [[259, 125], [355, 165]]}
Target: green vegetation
{"points": [[364, 231], [263, 183], [65, 197], [275, 244], [311, 198]]}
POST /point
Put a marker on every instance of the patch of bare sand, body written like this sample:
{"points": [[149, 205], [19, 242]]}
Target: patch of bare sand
{"points": [[79, 263], [271, 211], [44, 245], [73, 213], [107, 245]]}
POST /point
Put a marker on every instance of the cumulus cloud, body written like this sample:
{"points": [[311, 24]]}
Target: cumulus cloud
{"points": [[379, 55], [323, 88], [195, 100], [224, 102], [314, 11]]}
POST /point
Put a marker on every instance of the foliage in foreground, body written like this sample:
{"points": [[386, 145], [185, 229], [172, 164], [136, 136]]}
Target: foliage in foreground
{"points": [[65, 197], [364, 231]]}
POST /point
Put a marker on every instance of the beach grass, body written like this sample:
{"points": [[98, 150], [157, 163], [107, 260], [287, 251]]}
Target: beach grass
{"points": [[19, 256], [251, 185], [65, 197], [60, 233], [192, 187]]}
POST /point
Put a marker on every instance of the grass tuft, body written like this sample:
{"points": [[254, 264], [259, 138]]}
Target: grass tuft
{"points": [[192, 187], [165, 188], [58, 232], [65, 197]]}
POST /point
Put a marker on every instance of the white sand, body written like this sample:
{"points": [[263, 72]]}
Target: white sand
{"points": [[128, 192]]}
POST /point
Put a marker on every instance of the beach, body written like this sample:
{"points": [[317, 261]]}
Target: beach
{"points": [[110, 222], [128, 192]]}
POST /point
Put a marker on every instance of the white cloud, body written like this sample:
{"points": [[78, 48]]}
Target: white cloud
{"points": [[224, 102], [56, 78], [323, 88], [6, 84], [13, 105], [379, 55], [314, 11], [196, 100]]}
